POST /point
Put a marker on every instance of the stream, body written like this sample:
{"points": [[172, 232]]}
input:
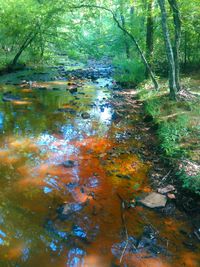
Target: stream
{"points": [[71, 171]]}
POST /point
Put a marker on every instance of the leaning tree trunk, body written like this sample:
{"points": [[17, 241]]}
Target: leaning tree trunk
{"points": [[25, 44], [177, 40], [169, 51], [143, 58]]}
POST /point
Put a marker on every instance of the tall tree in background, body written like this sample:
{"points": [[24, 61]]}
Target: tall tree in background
{"points": [[177, 39], [149, 32], [123, 22], [172, 53]]}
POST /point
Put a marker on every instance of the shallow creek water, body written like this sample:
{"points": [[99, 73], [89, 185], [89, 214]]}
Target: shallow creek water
{"points": [[53, 215]]}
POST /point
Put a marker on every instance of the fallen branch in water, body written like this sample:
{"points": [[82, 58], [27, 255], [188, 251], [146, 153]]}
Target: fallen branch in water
{"points": [[124, 225], [124, 250]]}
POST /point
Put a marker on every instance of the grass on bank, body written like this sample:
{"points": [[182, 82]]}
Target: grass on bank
{"points": [[178, 127], [128, 71]]}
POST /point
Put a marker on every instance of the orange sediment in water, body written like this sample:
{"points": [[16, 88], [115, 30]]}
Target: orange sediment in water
{"points": [[36, 184]]}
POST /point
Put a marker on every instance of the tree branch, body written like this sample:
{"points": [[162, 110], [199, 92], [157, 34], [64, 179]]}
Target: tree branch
{"points": [[120, 26]]}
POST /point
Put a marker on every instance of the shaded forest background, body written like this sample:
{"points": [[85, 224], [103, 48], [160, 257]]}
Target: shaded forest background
{"points": [[34, 31]]}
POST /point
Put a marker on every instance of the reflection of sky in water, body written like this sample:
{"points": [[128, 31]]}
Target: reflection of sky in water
{"points": [[78, 131], [54, 183], [1, 120], [53, 246], [104, 115], [45, 139], [48, 142], [79, 232], [104, 82], [101, 94], [102, 112], [75, 257], [2, 235], [58, 148], [25, 254], [47, 190]]}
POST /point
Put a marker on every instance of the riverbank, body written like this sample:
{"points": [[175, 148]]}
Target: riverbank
{"points": [[176, 125]]}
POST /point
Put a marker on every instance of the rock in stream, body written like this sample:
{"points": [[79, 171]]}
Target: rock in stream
{"points": [[154, 200]]}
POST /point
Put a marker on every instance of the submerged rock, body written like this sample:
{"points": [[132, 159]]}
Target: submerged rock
{"points": [[148, 242], [69, 164], [67, 110], [73, 89], [42, 88], [8, 97], [69, 209], [167, 189], [154, 200], [124, 176], [85, 115]]}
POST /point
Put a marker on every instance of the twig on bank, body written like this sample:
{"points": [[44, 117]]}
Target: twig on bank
{"points": [[165, 177]]}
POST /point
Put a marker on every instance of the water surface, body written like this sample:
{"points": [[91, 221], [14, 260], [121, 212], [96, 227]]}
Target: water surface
{"points": [[51, 215]]}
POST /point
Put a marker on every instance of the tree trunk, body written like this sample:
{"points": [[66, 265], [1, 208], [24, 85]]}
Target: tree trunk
{"points": [[185, 51], [127, 48], [25, 44], [177, 40], [144, 60], [149, 34], [169, 51]]}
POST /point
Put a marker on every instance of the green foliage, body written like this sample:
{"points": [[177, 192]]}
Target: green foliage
{"points": [[191, 183], [91, 32], [170, 134], [153, 107], [136, 186], [129, 70]]}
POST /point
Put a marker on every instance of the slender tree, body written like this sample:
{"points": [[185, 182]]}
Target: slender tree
{"points": [[149, 33], [169, 50], [177, 39], [123, 22]]}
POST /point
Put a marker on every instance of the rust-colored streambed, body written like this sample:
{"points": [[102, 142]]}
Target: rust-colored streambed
{"points": [[65, 180]]}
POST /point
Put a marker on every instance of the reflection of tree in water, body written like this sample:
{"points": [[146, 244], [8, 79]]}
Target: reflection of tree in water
{"points": [[42, 113]]}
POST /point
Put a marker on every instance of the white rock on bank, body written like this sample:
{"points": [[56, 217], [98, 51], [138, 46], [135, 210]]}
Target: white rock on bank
{"points": [[154, 200]]}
